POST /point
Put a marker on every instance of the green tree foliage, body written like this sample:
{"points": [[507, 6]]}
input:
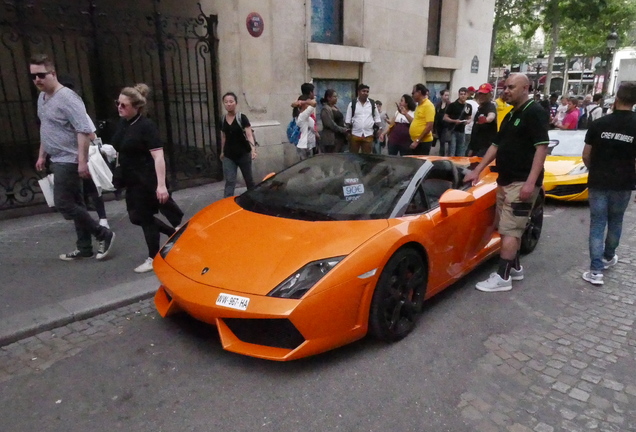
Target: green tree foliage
{"points": [[573, 27], [509, 49], [589, 39]]}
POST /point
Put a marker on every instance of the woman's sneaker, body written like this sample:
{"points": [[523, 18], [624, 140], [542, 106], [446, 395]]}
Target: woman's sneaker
{"points": [[75, 255], [610, 263], [593, 278], [145, 267]]}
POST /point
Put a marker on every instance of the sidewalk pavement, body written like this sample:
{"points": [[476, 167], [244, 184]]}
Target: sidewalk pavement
{"points": [[40, 292]]}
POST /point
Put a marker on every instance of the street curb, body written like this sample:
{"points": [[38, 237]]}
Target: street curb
{"points": [[55, 315]]}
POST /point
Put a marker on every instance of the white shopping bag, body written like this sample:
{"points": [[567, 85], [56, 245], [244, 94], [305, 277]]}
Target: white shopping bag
{"points": [[109, 151], [46, 184], [100, 172]]}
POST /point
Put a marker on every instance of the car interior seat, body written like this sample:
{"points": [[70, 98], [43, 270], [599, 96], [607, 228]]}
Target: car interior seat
{"points": [[434, 188], [445, 170]]}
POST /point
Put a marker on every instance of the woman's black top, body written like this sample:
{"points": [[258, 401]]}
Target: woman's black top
{"points": [[134, 139], [236, 143]]}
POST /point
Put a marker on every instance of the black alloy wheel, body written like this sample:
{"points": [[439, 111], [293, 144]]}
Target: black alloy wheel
{"points": [[531, 235], [398, 296]]}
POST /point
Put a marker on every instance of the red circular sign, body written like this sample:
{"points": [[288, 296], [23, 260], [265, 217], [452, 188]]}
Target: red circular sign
{"points": [[255, 24]]}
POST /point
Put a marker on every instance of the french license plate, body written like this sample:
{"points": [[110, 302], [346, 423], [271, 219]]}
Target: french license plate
{"points": [[232, 301], [354, 189]]}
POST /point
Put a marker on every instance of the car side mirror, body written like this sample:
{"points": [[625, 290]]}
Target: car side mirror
{"points": [[552, 144], [454, 198]]}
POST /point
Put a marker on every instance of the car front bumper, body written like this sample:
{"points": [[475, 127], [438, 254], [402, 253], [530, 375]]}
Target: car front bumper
{"points": [[270, 328]]}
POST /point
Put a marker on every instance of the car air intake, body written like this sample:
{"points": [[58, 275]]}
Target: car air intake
{"points": [[565, 190], [277, 333]]}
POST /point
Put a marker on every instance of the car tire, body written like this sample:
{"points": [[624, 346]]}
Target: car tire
{"points": [[398, 296], [531, 235]]}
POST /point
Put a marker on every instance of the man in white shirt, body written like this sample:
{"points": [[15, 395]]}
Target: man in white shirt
{"points": [[364, 119], [306, 123]]}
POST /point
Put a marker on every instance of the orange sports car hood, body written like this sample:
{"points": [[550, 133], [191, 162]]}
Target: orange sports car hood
{"points": [[561, 165], [253, 253]]}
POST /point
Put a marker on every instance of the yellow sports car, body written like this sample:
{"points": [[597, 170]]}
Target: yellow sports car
{"points": [[565, 173]]}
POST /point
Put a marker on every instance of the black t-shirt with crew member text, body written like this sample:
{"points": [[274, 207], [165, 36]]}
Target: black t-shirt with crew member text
{"points": [[613, 152], [521, 131]]}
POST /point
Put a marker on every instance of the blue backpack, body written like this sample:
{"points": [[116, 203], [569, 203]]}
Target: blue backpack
{"points": [[293, 132]]}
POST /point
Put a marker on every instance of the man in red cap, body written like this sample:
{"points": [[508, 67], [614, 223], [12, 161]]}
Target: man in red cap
{"points": [[485, 124], [471, 92]]}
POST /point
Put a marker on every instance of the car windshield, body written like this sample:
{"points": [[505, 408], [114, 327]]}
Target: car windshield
{"points": [[334, 187], [571, 143]]}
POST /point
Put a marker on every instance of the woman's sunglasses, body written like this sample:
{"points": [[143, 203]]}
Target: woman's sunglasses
{"points": [[121, 104]]}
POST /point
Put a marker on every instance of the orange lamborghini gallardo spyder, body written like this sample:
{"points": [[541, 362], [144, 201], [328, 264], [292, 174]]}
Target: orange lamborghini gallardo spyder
{"points": [[330, 249]]}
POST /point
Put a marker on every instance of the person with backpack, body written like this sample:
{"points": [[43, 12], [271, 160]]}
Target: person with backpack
{"points": [[594, 110], [237, 145], [307, 124], [364, 121], [306, 98]]}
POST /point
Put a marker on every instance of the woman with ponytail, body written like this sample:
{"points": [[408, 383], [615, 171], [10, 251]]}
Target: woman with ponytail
{"points": [[143, 171]]}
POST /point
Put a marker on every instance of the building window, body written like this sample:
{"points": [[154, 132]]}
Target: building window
{"points": [[346, 90], [434, 26], [435, 90], [326, 21]]}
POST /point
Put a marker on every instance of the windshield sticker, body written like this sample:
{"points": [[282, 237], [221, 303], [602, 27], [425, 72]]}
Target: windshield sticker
{"points": [[349, 181], [353, 190]]}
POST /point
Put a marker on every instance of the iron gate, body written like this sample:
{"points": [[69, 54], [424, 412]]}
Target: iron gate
{"points": [[103, 49]]}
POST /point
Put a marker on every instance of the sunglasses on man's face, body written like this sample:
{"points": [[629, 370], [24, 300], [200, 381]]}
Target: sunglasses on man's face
{"points": [[40, 75]]}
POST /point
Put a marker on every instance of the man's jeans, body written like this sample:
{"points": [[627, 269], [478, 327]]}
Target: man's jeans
{"points": [[607, 208], [458, 145], [69, 201], [230, 169]]}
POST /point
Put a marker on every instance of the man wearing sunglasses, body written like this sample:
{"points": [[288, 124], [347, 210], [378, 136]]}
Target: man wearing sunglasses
{"points": [[64, 136]]}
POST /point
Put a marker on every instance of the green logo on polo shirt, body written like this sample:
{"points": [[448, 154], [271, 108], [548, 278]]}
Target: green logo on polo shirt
{"points": [[517, 122]]}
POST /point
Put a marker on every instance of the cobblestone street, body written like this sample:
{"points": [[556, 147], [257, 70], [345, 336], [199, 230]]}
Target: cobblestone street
{"points": [[572, 372]]}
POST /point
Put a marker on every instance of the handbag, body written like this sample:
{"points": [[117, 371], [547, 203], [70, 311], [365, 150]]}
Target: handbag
{"points": [[446, 134], [100, 172], [46, 184]]}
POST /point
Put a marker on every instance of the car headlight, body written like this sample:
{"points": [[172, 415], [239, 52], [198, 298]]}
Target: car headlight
{"points": [[172, 240], [579, 169], [295, 286]]}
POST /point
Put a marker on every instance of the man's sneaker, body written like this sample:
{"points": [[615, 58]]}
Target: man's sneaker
{"points": [[75, 255], [104, 223], [495, 283], [105, 245], [593, 278], [145, 267], [516, 274], [610, 263]]}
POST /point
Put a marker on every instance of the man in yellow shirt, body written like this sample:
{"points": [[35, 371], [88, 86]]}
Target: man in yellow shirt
{"points": [[503, 108], [421, 129]]}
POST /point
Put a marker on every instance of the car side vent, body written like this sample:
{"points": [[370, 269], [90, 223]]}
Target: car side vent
{"points": [[277, 333]]}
